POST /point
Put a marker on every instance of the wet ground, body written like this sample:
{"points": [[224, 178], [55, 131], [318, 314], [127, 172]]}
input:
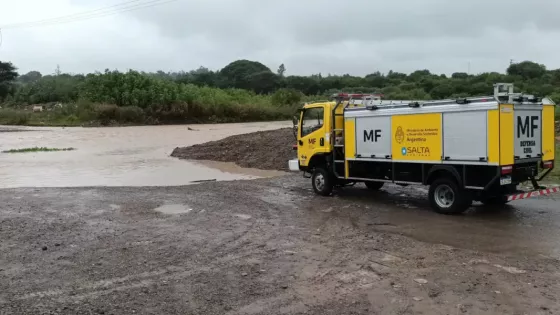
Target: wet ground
{"points": [[270, 246], [261, 246], [120, 156]]}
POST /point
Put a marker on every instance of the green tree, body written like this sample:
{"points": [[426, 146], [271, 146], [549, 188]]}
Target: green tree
{"points": [[30, 77], [281, 70], [263, 82], [307, 85], [238, 73], [527, 69], [8, 74]]}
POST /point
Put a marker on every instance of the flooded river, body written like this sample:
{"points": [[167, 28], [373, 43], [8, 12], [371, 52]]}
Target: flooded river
{"points": [[117, 156]]}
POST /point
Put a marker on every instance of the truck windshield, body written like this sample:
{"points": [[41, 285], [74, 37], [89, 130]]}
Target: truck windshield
{"points": [[312, 120]]}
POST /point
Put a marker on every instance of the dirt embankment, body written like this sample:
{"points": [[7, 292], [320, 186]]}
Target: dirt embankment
{"points": [[266, 150]]}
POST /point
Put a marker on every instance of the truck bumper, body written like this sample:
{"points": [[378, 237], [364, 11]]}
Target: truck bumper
{"points": [[533, 193], [293, 165]]}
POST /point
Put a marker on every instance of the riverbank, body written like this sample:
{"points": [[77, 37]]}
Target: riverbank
{"points": [[103, 115]]}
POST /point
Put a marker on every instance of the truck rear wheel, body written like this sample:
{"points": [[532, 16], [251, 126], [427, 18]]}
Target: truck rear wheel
{"points": [[446, 197], [322, 181], [374, 185]]}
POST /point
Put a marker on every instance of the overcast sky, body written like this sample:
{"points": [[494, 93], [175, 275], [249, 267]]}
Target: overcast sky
{"points": [[308, 36]]}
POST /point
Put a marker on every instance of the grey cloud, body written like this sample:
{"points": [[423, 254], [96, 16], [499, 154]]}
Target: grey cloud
{"points": [[308, 36], [317, 22]]}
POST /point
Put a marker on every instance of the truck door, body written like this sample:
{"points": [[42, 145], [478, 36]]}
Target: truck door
{"points": [[311, 134], [527, 132]]}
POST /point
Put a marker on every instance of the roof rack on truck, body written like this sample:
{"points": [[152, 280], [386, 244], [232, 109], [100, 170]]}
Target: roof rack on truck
{"points": [[503, 92]]}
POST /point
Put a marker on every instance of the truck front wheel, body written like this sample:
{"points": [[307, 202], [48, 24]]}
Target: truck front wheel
{"points": [[322, 181], [446, 197]]}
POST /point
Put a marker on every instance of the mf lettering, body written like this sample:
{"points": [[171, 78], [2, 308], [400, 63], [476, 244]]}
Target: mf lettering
{"points": [[372, 135], [527, 127]]}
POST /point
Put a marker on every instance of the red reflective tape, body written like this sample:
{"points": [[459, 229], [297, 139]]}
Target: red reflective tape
{"points": [[534, 193]]}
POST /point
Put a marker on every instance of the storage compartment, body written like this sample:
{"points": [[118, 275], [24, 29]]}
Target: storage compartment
{"points": [[527, 132], [465, 136], [373, 137]]}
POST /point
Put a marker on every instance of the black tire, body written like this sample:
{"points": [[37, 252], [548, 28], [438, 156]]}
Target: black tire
{"points": [[374, 185], [445, 203], [322, 181]]}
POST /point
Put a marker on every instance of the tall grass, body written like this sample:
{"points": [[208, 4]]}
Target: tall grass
{"points": [[13, 117], [191, 104], [555, 174]]}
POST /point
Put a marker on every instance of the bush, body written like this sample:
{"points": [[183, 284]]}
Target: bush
{"points": [[130, 114], [12, 117], [106, 113], [286, 97]]}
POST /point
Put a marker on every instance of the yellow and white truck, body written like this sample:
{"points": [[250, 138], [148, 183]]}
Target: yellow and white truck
{"points": [[476, 148]]}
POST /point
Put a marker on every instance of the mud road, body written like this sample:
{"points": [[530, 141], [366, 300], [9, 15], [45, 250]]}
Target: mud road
{"points": [[270, 246]]}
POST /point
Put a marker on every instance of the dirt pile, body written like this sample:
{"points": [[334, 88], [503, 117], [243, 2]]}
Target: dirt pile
{"points": [[266, 150]]}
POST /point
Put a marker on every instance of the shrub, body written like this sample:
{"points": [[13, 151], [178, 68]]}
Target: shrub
{"points": [[12, 117], [106, 113], [130, 114], [287, 97]]}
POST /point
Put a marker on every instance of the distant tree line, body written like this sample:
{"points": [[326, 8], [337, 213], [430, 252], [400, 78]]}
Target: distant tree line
{"points": [[251, 82]]}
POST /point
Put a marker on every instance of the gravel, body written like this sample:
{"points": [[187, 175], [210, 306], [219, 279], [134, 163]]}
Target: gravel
{"points": [[265, 150]]}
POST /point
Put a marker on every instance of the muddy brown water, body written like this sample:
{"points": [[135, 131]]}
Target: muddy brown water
{"points": [[118, 156]]}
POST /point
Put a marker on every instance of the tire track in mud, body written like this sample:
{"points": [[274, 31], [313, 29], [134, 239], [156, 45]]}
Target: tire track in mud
{"points": [[110, 285]]}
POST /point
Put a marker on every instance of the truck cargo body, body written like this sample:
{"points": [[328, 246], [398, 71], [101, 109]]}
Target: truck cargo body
{"points": [[406, 145]]}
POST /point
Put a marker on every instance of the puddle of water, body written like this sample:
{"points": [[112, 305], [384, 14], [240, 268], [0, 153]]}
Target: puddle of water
{"points": [[231, 167], [243, 216], [173, 209], [118, 156]]}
